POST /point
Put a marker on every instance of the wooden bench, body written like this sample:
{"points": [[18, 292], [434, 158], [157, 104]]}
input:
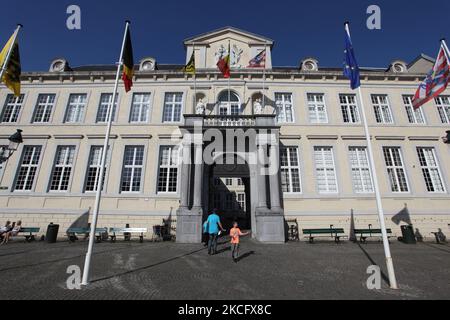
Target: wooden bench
{"points": [[29, 233], [335, 233], [73, 232], [370, 233], [127, 232]]}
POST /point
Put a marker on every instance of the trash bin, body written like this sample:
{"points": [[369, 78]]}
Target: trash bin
{"points": [[52, 233], [408, 234]]}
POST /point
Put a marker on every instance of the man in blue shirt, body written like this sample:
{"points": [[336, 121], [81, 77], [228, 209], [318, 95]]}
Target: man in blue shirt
{"points": [[211, 226]]}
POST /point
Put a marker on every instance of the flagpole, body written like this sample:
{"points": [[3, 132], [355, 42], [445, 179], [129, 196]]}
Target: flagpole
{"points": [[264, 76], [387, 251], [229, 62], [195, 80], [8, 55], [447, 52], [87, 262]]}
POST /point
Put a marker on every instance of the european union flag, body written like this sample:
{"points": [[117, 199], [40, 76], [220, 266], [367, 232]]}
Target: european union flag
{"points": [[351, 69]]}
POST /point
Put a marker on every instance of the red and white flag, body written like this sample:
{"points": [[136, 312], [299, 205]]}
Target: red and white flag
{"points": [[435, 82]]}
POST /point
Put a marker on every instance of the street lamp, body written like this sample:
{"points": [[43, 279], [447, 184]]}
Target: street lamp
{"points": [[14, 141]]}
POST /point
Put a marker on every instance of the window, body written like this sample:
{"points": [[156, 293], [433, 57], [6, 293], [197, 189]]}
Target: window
{"points": [[395, 169], [290, 170], [105, 104], [173, 105], [93, 169], [283, 102], [325, 170], [28, 167], [62, 168], [317, 109], [75, 108], [229, 104], [414, 116], [217, 200], [241, 201], [382, 110], [240, 182], [12, 107], [140, 109], [228, 182], [443, 105], [168, 169], [44, 108], [349, 108], [229, 197], [361, 176], [133, 164], [430, 169]]}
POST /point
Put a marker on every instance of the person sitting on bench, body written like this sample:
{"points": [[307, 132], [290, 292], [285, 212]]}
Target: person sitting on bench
{"points": [[6, 228], [13, 232]]}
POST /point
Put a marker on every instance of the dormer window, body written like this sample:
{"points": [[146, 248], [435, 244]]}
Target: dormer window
{"points": [[398, 67], [147, 64], [59, 65], [309, 64]]}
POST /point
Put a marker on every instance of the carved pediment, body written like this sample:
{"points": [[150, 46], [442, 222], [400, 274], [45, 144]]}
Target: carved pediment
{"points": [[244, 46]]}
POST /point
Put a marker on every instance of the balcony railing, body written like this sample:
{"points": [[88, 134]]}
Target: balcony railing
{"points": [[229, 121]]}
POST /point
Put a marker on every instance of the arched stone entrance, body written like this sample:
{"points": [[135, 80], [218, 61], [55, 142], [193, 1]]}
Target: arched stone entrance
{"points": [[259, 139]]}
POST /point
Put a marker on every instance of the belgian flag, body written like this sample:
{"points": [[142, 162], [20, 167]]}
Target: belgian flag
{"points": [[11, 76], [128, 63], [224, 64]]}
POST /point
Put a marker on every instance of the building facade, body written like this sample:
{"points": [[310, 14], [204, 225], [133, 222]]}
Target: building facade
{"points": [[305, 117]]}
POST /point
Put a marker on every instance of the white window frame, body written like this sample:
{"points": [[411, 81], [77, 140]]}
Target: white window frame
{"points": [[347, 105], [15, 104], [229, 106], [137, 107], [415, 116], [133, 166], [382, 109], [314, 106], [172, 165], [66, 165], [47, 105], [28, 168], [96, 166], [394, 168], [433, 168], [443, 106], [361, 169], [290, 167], [104, 106], [282, 105], [241, 203], [78, 107], [171, 104], [322, 166]]}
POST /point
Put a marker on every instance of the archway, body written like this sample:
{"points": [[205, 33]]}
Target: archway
{"points": [[229, 104]]}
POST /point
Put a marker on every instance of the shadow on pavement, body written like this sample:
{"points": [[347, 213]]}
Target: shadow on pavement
{"points": [[439, 247], [385, 278], [146, 267], [245, 255]]}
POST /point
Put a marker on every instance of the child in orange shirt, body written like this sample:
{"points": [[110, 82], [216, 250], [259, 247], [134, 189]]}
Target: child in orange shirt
{"points": [[235, 233]]}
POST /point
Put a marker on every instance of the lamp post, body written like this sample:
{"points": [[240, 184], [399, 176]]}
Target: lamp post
{"points": [[14, 141]]}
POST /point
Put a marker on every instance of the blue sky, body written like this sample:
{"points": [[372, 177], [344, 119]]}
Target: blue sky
{"points": [[299, 28]]}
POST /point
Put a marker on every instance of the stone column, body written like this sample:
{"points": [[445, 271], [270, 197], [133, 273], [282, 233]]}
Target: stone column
{"points": [[198, 175], [185, 175], [274, 180], [261, 179]]}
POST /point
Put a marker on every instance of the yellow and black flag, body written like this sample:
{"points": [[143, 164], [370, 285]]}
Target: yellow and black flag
{"points": [[128, 63], [12, 69], [190, 67]]}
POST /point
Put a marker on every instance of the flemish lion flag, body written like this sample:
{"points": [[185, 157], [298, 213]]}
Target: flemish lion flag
{"points": [[128, 63], [11, 77], [224, 64], [190, 66]]}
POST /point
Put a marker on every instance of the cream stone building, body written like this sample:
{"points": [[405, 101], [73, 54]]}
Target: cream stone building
{"points": [[310, 111]]}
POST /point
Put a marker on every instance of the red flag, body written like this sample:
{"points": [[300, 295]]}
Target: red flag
{"points": [[224, 64]]}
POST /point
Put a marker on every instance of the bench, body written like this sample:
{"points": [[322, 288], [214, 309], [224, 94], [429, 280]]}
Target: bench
{"points": [[335, 233], [29, 233], [73, 232], [127, 232], [370, 233]]}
